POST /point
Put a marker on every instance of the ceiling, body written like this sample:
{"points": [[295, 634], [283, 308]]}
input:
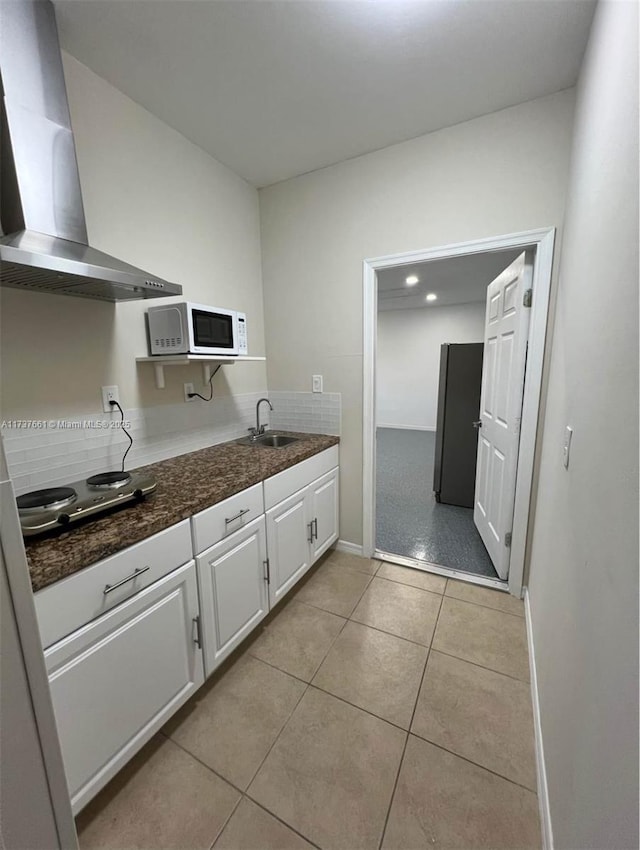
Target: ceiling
{"points": [[276, 88], [457, 280]]}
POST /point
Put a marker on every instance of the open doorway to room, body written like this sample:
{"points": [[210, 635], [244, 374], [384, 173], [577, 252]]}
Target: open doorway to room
{"points": [[454, 348], [429, 365]]}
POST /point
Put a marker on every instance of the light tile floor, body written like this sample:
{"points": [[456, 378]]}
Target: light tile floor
{"points": [[378, 707]]}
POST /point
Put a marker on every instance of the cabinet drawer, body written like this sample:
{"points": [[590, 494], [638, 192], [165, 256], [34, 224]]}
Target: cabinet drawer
{"points": [[71, 602], [282, 485], [219, 521]]}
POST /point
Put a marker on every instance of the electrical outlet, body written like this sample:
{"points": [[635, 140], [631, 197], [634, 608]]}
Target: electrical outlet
{"points": [[189, 388], [110, 394], [316, 384]]}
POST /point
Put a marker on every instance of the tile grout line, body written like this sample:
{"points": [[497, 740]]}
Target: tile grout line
{"points": [[283, 822], [224, 825], [404, 584], [358, 707], [471, 761], [482, 666], [481, 605], [406, 742], [277, 738], [208, 766], [279, 669], [391, 634]]}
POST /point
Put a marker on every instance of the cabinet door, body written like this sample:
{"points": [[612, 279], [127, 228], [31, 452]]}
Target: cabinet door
{"points": [[233, 591], [288, 542], [116, 681], [323, 512]]}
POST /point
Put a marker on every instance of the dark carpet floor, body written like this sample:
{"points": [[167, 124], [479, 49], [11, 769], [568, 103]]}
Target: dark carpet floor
{"points": [[409, 521]]}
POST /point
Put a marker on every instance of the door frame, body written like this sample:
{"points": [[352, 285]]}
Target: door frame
{"points": [[541, 241]]}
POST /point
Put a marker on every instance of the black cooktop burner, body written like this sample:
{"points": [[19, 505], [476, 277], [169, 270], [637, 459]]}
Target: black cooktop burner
{"points": [[109, 479], [45, 499]]}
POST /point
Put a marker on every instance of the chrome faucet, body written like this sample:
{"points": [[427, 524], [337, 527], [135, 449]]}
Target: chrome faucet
{"points": [[259, 430]]}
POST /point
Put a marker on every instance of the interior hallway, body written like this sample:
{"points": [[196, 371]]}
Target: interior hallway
{"points": [[378, 707], [409, 521]]}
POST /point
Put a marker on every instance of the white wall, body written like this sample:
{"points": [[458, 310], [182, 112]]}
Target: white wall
{"points": [[154, 200], [408, 359], [498, 174], [584, 564]]}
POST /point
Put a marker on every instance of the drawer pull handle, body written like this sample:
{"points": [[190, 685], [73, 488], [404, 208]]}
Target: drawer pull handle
{"points": [[310, 527], [231, 519], [315, 528], [134, 575]]}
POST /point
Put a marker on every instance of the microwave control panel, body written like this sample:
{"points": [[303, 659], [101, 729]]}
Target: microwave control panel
{"points": [[242, 334]]}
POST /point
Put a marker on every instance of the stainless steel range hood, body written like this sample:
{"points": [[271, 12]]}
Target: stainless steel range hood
{"points": [[45, 246]]}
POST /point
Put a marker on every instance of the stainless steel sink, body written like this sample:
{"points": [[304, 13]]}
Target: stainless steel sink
{"points": [[269, 441], [276, 441]]}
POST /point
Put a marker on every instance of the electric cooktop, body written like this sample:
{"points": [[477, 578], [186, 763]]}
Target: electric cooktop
{"points": [[56, 507]]}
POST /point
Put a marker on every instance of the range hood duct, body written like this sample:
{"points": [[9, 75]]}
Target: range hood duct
{"points": [[45, 246]]}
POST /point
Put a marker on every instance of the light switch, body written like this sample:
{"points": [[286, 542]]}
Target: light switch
{"points": [[316, 384], [566, 449]]}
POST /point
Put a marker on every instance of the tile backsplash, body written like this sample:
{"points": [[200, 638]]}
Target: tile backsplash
{"points": [[316, 413], [54, 452]]}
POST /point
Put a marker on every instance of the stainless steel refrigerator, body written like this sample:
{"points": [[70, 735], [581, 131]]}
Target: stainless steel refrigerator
{"points": [[456, 437]]}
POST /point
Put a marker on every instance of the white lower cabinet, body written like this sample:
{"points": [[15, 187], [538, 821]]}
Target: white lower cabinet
{"points": [[322, 501], [115, 681], [233, 590], [299, 530], [288, 536]]}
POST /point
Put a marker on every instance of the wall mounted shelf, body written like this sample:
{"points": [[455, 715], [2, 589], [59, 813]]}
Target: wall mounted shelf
{"points": [[160, 361]]}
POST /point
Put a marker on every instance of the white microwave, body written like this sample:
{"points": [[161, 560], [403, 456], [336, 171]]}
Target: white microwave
{"points": [[187, 328]]}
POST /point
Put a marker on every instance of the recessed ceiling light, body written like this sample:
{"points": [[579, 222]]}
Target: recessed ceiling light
{"points": [[432, 296], [411, 280]]}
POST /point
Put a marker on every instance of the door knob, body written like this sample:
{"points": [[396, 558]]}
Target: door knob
{"points": [[477, 424]]}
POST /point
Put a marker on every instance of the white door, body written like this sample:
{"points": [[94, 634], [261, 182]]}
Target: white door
{"points": [[233, 588], [115, 681], [289, 544], [505, 350], [323, 513]]}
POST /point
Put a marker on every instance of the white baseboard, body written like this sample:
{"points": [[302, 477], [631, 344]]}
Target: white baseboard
{"points": [[408, 427], [541, 771], [351, 548]]}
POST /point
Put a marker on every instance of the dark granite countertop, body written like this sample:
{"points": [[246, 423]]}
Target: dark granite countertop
{"points": [[186, 484]]}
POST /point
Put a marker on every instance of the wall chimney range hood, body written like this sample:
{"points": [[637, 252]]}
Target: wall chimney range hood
{"points": [[45, 248]]}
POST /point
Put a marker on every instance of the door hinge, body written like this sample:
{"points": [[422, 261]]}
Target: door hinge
{"points": [[197, 638], [528, 297], [267, 572], [507, 539]]}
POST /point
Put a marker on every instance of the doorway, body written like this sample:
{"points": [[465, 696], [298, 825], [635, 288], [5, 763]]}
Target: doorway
{"points": [[400, 462]]}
